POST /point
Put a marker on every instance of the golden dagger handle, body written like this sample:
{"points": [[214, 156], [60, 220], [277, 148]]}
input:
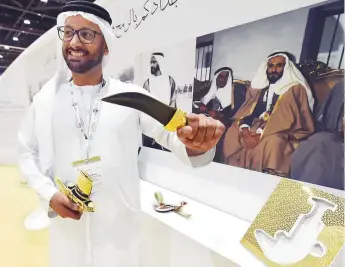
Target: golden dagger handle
{"points": [[178, 120]]}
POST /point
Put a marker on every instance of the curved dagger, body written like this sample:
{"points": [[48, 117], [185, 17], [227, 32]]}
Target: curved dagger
{"points": [[170, 117]]}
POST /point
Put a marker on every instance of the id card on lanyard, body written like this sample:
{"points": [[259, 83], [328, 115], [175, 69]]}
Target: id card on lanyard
{"points": [[92, 166]]}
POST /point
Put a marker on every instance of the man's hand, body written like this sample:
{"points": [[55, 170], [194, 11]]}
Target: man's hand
{"points": [[65, 207], [250, 139], [201, 134]]}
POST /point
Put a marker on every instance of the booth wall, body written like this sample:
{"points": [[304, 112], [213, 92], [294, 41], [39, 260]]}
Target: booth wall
{"points": [[235, 191]]}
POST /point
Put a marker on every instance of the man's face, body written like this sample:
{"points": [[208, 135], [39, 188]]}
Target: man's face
{"points": [[80, 57], [275, 68], [154, 66], [222, 79]]}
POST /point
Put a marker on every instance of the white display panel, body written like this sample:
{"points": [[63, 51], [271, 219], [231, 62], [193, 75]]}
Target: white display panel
{"points": [[235, 191]]}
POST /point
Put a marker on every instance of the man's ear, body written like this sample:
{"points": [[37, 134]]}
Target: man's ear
{"points": [[106, 50]]}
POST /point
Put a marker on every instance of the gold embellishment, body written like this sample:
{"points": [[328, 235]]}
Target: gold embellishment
{"points": [[79, 193], [274, 109], [178, 120], [241, 82], [287, 203], [266, 116], [84, 184]]}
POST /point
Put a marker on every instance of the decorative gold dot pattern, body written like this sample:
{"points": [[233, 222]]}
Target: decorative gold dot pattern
{"points": [[285, 205], [178, 120]]}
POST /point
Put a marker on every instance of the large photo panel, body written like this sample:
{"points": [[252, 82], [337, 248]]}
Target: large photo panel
{"points": [[277, 85]]}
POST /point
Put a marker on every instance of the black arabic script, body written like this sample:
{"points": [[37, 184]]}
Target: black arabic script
{"points": [[149, 8]]}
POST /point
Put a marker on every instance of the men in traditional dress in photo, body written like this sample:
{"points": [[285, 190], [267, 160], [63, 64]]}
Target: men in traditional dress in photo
{"points": [[275, 116], [68, 124], [160, 84]]}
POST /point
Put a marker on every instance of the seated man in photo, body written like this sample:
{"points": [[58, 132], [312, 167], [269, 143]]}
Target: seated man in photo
{"points": [[220, 94], [222, 99], [320, 159], [276, 115]]}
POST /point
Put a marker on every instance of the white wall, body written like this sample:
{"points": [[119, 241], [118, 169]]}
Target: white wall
{"points": [[243, 48], [13, 103], [166, 247], [189, 19], [33, 66]]}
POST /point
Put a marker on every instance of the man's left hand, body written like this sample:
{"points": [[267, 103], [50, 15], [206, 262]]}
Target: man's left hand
{"points": [[200, 134]]}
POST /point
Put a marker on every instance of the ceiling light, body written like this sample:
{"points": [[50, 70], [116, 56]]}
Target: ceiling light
{"points": [[26, 21], [15, 38], [45, 1], [7, 47], [1, 56]]}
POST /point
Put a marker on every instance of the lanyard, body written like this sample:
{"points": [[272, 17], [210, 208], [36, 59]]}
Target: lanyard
{"points": [[93, 118]]}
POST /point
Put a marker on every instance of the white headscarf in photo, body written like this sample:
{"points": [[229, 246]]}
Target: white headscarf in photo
{"points": [[225, 94], [291, 76], [160, 85]]}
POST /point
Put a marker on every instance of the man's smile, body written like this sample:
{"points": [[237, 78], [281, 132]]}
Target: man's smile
{"points": [[76, 55]]}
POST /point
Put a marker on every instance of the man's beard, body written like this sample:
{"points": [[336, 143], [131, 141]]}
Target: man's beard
{"points": [[154, 71], [222, 83], [274, 77], [83, 66]]}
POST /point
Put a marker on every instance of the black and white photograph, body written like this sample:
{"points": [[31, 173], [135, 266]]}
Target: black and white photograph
{"points": [[168, 73]]}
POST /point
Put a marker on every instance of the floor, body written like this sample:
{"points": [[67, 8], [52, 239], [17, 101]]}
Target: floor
{"points": [[19, 247]]}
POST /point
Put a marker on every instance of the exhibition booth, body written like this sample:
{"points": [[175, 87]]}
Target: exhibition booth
{"points": [[226, 201]]}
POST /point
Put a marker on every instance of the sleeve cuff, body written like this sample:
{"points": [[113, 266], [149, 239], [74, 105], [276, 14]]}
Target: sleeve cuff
{"points": [[259, 131], [203, 159], [47, 191]]}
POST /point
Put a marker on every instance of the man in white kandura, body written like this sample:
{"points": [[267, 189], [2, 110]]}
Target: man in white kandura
{"points": [[67, 122]]}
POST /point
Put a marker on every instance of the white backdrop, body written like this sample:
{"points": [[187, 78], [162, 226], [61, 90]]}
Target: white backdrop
{"points": [[183, 21]]}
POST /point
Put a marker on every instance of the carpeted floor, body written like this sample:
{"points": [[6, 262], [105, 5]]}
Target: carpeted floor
{"points": [[19, 247]]}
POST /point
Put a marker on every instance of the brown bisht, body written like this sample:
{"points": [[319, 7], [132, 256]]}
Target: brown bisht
{"points": [[290, 121]]}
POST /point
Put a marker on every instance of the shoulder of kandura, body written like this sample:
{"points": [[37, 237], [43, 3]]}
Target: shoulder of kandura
{"points": [[297, 88], [48, 89]]}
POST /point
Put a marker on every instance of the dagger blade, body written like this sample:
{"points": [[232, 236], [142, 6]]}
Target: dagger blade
{"points": [[144, 103]]}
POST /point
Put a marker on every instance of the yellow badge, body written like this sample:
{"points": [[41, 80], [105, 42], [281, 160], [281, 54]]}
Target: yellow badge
{"points": [[299, 226]]}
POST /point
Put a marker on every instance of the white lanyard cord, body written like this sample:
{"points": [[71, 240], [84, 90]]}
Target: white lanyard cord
{"points": [[93, 118]]}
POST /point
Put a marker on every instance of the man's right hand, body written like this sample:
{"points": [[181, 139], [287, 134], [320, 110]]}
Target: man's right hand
{"points": [[250, 139], [65, 207]]}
